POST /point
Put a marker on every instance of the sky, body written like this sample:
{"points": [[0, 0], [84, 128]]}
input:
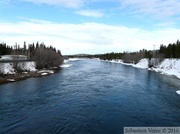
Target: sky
{"points": [[91, 26]]}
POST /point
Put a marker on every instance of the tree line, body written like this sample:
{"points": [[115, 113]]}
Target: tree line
{"points": [[172, 50], [45, 57], [5, 49], [127, 57]]}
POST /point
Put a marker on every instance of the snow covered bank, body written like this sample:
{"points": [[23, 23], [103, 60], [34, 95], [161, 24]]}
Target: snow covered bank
{"points": [[8, 68], [66, 65], [29, 72], [167, 66], [27, 66], [13, 57], [66, 62], [143, 63], [114, 61]]}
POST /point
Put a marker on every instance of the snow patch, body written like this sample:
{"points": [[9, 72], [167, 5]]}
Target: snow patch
{"points": [[74, 59], [24, 72], [65, 61], [143, 63], [178, 92], [6, 57], [113, 61], [116, 61], [44, 74], [13, 57], [11, 80], [46, 71], [66, 65], [6, 68], [27, 66]]}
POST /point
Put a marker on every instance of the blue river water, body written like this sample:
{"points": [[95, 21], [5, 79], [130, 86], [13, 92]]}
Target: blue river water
{"points": [[90, 96]]}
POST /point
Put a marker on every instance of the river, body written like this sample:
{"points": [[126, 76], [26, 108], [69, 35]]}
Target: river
{"points": [[89, 96]]}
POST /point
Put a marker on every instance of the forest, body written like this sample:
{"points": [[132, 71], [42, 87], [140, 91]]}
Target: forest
{"points": [[45, 57]]}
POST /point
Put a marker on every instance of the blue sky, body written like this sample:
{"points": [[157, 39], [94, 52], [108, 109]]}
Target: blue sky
{"points": [[91, 26]]}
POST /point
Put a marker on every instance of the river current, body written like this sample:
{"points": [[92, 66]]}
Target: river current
{"points": [[90, 96]]}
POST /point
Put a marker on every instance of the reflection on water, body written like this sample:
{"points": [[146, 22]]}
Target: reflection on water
{"points": [[91, 96]]}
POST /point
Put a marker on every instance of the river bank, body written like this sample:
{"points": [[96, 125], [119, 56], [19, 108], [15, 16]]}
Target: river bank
{"points": [[4, 79], [24, 70], [167, 66]]}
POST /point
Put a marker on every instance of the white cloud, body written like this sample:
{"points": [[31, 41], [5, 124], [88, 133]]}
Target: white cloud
{"points": [[166, 24], [63, 3], [158, 8], [86, 37], [90, 13]]}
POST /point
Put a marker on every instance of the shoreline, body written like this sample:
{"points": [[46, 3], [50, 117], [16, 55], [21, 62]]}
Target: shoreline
{"points": [[165, 70], [5, 79]]}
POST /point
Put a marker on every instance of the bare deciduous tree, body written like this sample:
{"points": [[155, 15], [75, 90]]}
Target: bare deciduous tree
{"points": [[46, 57]]}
